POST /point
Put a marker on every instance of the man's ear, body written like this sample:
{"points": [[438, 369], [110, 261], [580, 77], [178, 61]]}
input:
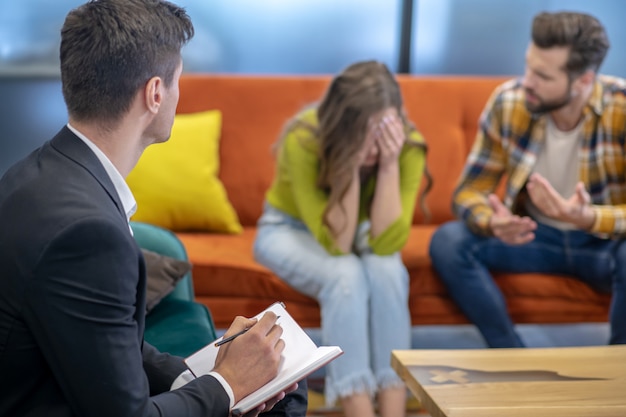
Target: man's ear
{"points": [[153, 94], [583, 82], [587, 78]]}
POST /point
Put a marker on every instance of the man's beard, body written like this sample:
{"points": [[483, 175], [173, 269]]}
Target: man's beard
{"points": [[548, 106]]}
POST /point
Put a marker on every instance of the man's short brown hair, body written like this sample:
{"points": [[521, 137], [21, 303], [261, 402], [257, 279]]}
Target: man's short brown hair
{"points": [[111, 48], [583, 33]]}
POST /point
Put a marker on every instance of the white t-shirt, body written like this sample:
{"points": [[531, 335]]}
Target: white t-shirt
{"points": [[558, 162]]}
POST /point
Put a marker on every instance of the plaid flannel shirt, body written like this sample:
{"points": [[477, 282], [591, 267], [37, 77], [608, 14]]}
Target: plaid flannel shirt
{"points": [[510, 137]]}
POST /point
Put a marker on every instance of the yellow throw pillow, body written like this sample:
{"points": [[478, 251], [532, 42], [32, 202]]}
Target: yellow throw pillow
{"points": [[175, 183]]}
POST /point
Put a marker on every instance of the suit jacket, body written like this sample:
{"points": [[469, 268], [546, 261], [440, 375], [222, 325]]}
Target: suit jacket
{"points": [[72, 299]]}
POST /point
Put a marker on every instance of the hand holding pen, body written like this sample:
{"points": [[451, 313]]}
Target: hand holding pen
{"points": [[251, 363], [232, 337]]}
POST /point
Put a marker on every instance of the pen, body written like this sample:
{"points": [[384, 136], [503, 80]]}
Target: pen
{"points": [[232, 337], [229, 338]]}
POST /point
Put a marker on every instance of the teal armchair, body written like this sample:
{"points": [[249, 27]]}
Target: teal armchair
{"points": [[177, 325]]}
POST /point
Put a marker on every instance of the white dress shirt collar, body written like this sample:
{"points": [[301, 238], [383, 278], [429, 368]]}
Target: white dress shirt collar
{"points": [[123, 191]]}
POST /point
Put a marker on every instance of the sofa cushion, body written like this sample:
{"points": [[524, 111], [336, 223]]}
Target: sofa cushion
{"points": [[175, 183], [162, 273]]}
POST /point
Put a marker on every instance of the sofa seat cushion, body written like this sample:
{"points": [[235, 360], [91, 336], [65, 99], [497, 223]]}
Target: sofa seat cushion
{"points": [[543, 298], [179, 327], [231, 283]]}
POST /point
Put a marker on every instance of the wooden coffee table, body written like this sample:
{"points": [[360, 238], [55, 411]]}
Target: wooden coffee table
{"points": [[546, 382]]}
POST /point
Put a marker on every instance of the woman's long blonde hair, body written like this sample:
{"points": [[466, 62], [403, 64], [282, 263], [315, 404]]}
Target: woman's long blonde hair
{"points": [[353, 96]]}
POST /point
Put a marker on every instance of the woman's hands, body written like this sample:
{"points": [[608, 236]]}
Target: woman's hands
{"points": [[387, 203], [384, 140], [390, 138]]}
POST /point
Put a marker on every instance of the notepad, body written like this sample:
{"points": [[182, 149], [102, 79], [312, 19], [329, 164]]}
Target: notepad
{"points": [[300, 358]]}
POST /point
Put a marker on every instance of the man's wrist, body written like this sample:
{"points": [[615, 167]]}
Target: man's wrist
{"points": [[588, 219]]}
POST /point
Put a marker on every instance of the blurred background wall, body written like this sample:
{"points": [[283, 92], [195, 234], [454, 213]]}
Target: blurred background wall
{"points": [[442, 37]]}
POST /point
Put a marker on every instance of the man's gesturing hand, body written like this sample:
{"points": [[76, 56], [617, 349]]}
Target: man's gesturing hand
{"points": [[576, 209], [510, 228]]}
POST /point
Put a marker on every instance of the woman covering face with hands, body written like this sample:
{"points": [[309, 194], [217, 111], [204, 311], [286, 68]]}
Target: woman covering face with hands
{"points": [[335, 219], [387, 136]]}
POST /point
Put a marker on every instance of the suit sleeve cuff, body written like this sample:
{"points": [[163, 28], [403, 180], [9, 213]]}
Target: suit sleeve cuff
{"points": [[187, 376], [182, 379], [227, 388]]}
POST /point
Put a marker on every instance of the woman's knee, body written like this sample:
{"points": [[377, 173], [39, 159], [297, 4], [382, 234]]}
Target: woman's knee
{"points": [[347, 279], [385, 272]]}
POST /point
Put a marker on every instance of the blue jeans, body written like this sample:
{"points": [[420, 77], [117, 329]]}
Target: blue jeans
{"points": [[363, 300], [463, 261]]}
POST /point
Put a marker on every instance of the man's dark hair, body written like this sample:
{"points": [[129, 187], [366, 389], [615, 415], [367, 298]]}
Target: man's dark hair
{"points": [[111, 48], [583, 33]]}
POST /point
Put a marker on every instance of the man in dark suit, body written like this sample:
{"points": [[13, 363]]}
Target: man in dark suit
{"points": [[72, 279]]}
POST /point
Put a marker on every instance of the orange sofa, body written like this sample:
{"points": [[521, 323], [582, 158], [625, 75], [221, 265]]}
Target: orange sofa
{"points": [[445, 110]]}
